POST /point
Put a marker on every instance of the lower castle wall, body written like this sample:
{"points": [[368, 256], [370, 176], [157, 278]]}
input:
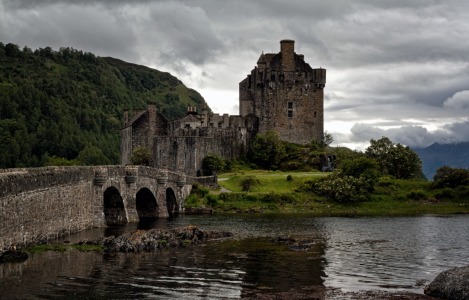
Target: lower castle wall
{"points": [[185, 151]]}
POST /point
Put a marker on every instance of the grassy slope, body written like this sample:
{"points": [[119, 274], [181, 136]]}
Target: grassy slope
{"points": [[390, 200]]}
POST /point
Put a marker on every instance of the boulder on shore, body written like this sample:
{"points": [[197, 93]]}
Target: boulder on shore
{"points": [[451, 284]]}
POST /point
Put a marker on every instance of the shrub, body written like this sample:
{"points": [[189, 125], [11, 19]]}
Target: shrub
{"points": [[341, 188], [238, 197], [385, 182], [141, 156], [445, 193], [212, 200], [417, 195], [363, 168], [289, 178], [277, 198], [199, 190], [248, 183], [308, 186], [212, 163]]}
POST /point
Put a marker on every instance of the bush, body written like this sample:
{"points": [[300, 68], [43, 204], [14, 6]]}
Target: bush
{"points": [[199, 191], [385, 182], [238, 197], [212, 200], [141, 156], [248, 183], [417, 195], [61, 161], [445, 194], [344, 189], [289, 178], [363, 168], [308, 186], [277, 198], [212, 163]]}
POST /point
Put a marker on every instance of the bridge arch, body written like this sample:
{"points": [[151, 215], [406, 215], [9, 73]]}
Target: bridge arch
{"points": [[146, 205], [171, 202], [114, 209]]}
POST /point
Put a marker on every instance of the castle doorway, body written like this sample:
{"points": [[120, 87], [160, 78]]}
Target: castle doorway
{"points": [[114, 211]]}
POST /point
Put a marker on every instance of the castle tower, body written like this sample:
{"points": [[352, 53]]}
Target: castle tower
{"points": [[286, 95]]}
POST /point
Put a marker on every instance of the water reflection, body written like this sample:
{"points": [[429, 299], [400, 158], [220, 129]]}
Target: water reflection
{"points": [[347, 253]]}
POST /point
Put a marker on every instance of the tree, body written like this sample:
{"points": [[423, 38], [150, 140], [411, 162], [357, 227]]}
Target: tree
{"points": [[447, 177], [327, 138], [92, 156], [267, 150], [141, 156], [212, 163], [395, 159]]}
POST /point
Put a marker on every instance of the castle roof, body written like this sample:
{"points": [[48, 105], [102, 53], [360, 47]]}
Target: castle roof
{"points": [[135, 118], [261, 59], [190, 118]]}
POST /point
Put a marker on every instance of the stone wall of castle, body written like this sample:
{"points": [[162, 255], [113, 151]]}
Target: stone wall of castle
{"points": [[185, 150], [286, 94]]}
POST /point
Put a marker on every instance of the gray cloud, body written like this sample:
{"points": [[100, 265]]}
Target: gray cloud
{"points": [[413, 136], [401, 66]]}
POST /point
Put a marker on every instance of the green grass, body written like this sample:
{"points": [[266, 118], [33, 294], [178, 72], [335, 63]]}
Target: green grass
{"points": [[270, 181], [276, 194]]}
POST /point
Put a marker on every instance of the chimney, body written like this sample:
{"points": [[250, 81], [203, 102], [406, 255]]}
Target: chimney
{"points": [[287, 49]]}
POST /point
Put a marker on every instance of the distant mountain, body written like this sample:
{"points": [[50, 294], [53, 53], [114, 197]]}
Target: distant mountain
{"points": [[438, 155], [70, 103]]}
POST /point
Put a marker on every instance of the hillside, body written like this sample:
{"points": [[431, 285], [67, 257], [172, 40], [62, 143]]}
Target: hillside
{"points": [[70, 103], [438, 155]]}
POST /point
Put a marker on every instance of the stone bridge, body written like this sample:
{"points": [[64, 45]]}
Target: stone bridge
{"points": [[37, 204]]}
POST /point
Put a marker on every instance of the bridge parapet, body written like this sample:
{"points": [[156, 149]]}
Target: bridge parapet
{"points": [[15, 181]]}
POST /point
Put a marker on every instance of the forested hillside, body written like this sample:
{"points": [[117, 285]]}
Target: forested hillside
{"points": [[69, 104]]}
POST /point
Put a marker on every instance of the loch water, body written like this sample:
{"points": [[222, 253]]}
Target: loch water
{"points": [[350, 254]]}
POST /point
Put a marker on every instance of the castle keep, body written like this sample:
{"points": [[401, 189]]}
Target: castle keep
{"points": [[282, 93]]}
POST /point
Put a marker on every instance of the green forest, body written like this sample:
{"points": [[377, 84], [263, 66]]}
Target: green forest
{"points": [[67, 106]]}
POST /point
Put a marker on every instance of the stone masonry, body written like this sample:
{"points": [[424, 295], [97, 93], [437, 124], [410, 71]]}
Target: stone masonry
{"points": [[38, 204]]}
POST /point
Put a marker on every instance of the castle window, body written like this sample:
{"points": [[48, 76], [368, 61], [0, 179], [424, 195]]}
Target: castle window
{"points": [[272, 77], [315, 113], [290, 109]]}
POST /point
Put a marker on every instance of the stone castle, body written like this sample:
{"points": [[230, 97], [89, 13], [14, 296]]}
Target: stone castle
{"points": [[282, 94]]}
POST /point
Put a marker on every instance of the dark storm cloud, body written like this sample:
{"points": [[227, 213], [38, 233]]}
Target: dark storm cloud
{"points": [[400, 64]]}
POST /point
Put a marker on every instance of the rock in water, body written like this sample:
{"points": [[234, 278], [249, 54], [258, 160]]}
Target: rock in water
{"points": [[452, 284]]}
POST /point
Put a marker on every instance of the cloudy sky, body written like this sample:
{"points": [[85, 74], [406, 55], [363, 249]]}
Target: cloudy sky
{"points": [[394, 68]]}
